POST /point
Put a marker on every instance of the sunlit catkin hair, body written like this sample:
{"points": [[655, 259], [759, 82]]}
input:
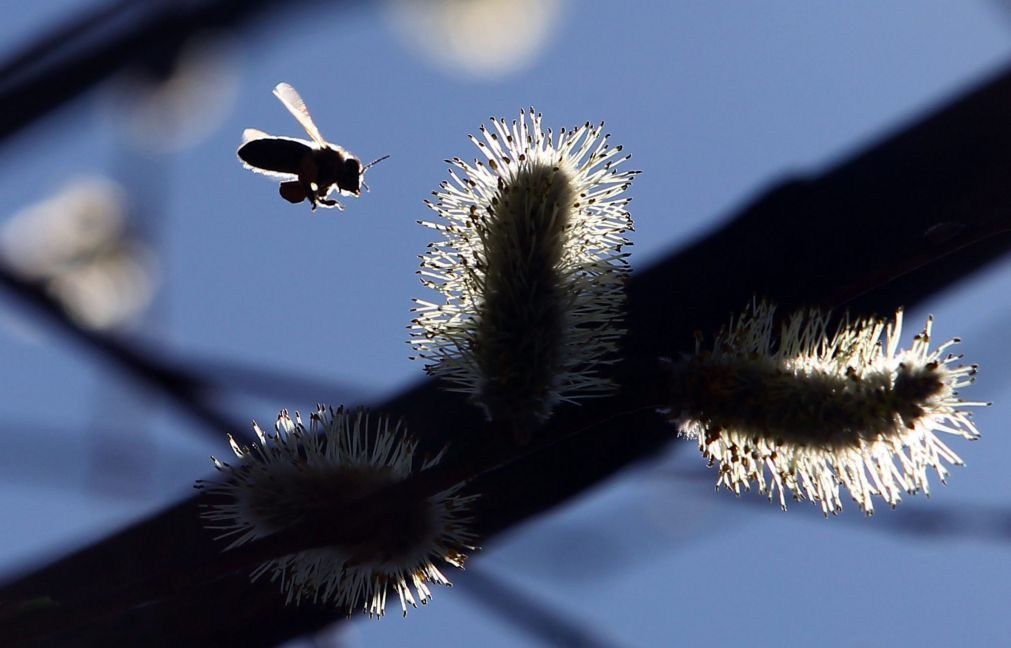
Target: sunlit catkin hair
{"points": [[531, 270], [809, 411], [305, 476]]}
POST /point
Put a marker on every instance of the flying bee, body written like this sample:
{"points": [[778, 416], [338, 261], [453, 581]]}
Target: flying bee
{"points": [[311, 170]]}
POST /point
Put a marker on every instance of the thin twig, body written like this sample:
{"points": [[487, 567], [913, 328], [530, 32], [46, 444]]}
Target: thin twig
{"points": [[182, 388], [537, 618]]}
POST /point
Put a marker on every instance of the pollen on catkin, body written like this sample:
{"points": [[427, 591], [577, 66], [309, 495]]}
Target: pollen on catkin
{"points": [[531, 270], [811, 411], [305, 476]]}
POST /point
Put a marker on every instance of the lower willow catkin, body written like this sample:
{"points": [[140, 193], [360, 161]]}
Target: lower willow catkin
{"points": [[808, 411], [305, 476]]}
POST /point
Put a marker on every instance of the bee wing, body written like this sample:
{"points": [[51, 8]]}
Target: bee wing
{"points": [[293, 102], [278, 157], [272, 174], [251, 134]]}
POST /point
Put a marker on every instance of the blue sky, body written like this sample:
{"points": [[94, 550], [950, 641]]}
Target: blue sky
{"points": [[715, 101]]}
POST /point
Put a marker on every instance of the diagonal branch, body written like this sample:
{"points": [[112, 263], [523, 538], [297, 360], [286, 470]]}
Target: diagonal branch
{"points": [[184, 388], [535, 618]]}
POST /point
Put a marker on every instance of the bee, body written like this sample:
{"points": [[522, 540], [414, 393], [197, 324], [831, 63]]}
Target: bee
{"points": [[311, 170]]}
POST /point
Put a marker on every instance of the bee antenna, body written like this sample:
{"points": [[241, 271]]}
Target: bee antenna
{"points": [[373, 163]]}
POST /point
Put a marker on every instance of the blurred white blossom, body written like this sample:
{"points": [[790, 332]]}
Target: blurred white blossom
{"points": [[174, 108], [78, 243], [478, 38]]}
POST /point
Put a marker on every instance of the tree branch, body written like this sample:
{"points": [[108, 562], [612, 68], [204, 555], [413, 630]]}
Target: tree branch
{"points": [[185, 389]]}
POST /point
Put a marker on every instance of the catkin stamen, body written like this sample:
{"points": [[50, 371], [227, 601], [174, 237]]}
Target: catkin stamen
{"points": [[808, 411]]}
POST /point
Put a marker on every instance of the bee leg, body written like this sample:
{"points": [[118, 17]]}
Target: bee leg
{"points": [[330, 202], [307, 175], [323, 196], [312, 192]]}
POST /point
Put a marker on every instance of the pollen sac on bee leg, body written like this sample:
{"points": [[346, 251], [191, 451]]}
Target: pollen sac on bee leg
{"points": [[293, 191]]}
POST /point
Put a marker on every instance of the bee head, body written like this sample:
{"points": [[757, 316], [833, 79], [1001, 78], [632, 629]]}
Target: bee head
{"points": [[353, 169]]}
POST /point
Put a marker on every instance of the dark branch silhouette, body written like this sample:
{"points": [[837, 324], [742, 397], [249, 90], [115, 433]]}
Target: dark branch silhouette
{"points": [[536, 618], [184, 388]]}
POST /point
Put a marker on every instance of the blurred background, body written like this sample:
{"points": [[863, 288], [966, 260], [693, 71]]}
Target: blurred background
{"points": [[132, 207]]}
